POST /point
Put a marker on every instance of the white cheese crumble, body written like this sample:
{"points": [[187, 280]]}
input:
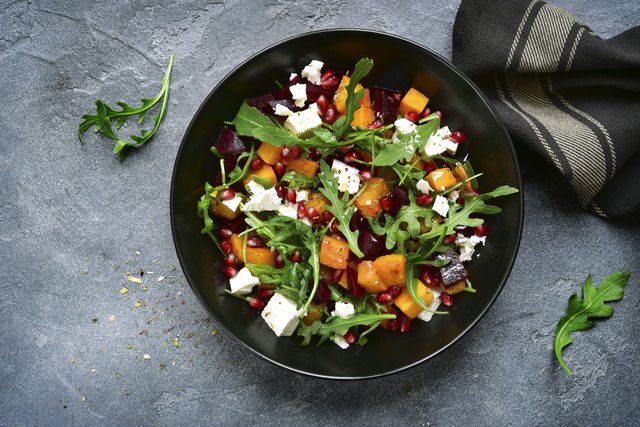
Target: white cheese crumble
{"points": [[293, 76], [262, 199], [467, 245], [451, 146], [281, 315], [441, 206], [305, 220], [426, 315], [439, 142], [299, 94], [343, 310], [453, 196], [289, 209], [312, 72], [423, 186], [303, 122], [281, 110], [340, 341], [348, 177], [232, 203], [302, 196], [404, 126], [243, 282]]}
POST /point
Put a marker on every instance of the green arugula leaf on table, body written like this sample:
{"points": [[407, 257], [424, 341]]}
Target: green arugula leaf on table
{"points": [[338, 325], [343, 124], [105, 114], [592, 306]]}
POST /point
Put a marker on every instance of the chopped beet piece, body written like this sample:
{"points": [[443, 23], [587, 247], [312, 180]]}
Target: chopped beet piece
{"points": [[371, 245], [386, 102], [314, 92], [285, 93], [262, 103], [399, 198], [352, 280], [454, 271], [285, 102], [229, 143]]}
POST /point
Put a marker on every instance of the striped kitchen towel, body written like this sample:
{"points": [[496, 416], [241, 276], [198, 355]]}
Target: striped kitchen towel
{"points": [[562, 91]]}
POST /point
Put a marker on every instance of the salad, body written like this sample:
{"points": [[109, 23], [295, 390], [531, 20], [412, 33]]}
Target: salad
{"points": [[342, 209]]}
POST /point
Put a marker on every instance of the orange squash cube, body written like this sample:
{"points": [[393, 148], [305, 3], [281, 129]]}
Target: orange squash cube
{"points": [[454, 288], [406, 303], [219, 209], [269, 154], [343, 280], [369, 278], [305, 167], [266, 172], [412, 101], [314, 314], [368, 202], [318, 202], [441, 179], [363, 117], [461, 175], [365, 101], [259, 256], [391, 269], [340, 98], [334, 252]]}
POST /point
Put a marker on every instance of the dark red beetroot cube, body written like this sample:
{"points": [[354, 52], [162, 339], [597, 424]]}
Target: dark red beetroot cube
{"points": [[229, 143], [358, 222], [314, 92], [371, 245], [285, 93], [352, 280], [399, 198], [386, 102], [454, 271], [285, 102], [262, 103], [237, 225]]}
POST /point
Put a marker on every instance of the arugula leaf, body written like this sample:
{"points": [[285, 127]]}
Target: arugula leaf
{"points": [[338, 325], [343, 124], [105, 114], [391, 153], [249, 121], [265, 182], [298, 180], [339, 207], [424, 131], [592, 305]]}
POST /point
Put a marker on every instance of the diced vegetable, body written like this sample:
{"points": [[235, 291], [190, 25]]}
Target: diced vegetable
{"points": [[454, 271], [369, 279], [454, 288], [406, 303], [413, 101], [368, 202], [334, 252], [318, 202], [390, 310], [441, 179], [259, 256], [219, 209], [269, 153], [461, 175], [314, 314], [340, 98], [391, 269], [363, 117], [266, 172], [305, 167]]}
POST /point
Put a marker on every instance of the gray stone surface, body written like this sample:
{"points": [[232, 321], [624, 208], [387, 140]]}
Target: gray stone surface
{"points": [[74, 220]]}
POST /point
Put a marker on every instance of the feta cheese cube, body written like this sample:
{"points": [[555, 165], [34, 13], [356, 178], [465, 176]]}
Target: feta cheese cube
{"points": [[299, 94], [443, 132], [423, 186], [302, 196], [289, 209], [450, 145], [348, 177], [293, 76], [281, 110], [441, 206], [453, 196], [232, 203], [262, 199], [243, 282], [426, 315], [404, 126], [435, 145], [312, 72], [281, 315], [343, 310], [303, 122], [340, 341], [467, 245]]}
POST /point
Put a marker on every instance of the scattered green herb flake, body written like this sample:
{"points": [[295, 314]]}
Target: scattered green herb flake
{"points": [[137, 304], [84, 398], [118, 375], [112, 318], [161, 278], [72, 361], [176, 342], [134, 279], [138, 253], [144, 288], [188, 335], [130, 346], [162, 365], [94, 320], [124, 290], [214, 332]]}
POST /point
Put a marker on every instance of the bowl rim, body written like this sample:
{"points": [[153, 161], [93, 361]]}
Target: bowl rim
{"points": [[487, 104]]}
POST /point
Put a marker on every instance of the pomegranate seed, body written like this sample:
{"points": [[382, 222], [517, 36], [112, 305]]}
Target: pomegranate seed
{"points": [[375, 125], [425, 112], [230, 260], [365, 175], [451, 238], [225, 245], [385, 203], [328, 73], [405, 325], [439, 114], [227, 194], [279, 168], [302, 210], [256, 164], [458, 137], [313, 214], [394, 291], [352, 157], [424, 200], [327, 216], [255, 242], [323, 104], [336, 276], [446, 299], [330, 82], [384, 297], [350, 337], [393, 325], [313, 153], [265, 293], [291, 195], [430, 167], [230, 271], [480, 230], [295, 152], [334, 227], [256, 303], [331, 115], [281, 191], [279, 262], [412, 116], [295, 256], [225, 233]]}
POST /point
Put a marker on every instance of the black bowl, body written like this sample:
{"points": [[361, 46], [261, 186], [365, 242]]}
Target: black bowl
{"points": [[399, 64]]}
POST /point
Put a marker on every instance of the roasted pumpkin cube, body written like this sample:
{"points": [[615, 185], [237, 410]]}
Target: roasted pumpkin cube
{"points": [[369, 279], [318, 202], [269, 154], [305, 167], [391, 269], [454, 288], [266, 172], [414, 101], [365, 101], [363, 117], [340, 98], [334, 252], [259, 256], [220, 209], [461, 174], [313, 314], [407, 304], [368, 202], [441, 179]]}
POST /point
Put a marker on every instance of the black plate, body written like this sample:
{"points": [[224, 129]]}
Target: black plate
{"points": [[400, 64]]}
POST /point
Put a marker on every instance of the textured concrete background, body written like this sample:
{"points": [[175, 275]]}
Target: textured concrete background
{"points": [[74, 221]]}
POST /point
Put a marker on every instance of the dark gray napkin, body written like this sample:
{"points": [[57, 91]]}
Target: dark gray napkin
{"points": [[562, 91]]}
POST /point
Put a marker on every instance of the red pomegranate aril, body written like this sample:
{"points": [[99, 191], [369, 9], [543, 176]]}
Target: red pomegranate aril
{"points": [[336, 276], [458, 137], [323, 104], [386, 203], [291, 195], [412, 116], [449, 239], [225, 233], [430, 167], [255, 303], [295, 256], [225, 245], [330, 116], [265, 293], [365, 175], [295, 152], [375, 125], [256, 164], [230, 271], [279, 168], [313, 214], [230, 260], [330, 82], [334, 227], [424, 199], [439, 114], [352, 156], [279, 262], [393, 325], [327, 216], [384, 297], [281, 191], [446, 299], [313, 153], [227, 194], [480, 230], [255, 242], [350, 337], [302, 210], [405, 325], [425, 112], [394, 291]]}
